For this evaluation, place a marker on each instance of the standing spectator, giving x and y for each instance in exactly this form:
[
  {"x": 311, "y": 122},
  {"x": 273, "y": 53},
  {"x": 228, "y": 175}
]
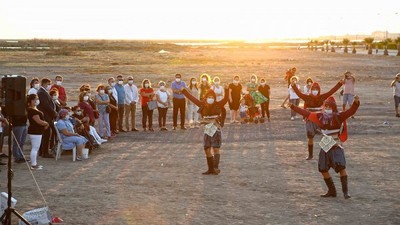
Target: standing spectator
[
  {"x": 307, "y": 87},
  {"x": 54, "y": 97},
  {"x": 48, "y": 108},
  {"x": 348, "y": 90},
  {"x": 102, "y": 101},
  {"x": 288, "y": 77},
  {"x": 265, "y": 90},
  {"x": 121, "y": 101},
  {"x": 252, "y": 88},
  {"x": 86, "y": 107},
  {"x": 37, "y": 126},
  {"x": 114, "y": 111},
  {"x": 131, "y": 98},
  {"x": 193, "y": 108},
  {"x": 396, "y": 92},
  {"x": 62, "y": 95},
  {"x": 34, "y": 86},
  {"x": 219, "y": 92},
  {"x": 178, "y": 101},
  {"x": 53, "y": 139},
  {"x": 293, "y": 97},
  {"x": 162, "y": 97},
  {"x": 204, "y": 85},
  {"x": 147, "y": 94},
  {"x": 20, "y": 131},
  {"x": 235, "y": 92}
]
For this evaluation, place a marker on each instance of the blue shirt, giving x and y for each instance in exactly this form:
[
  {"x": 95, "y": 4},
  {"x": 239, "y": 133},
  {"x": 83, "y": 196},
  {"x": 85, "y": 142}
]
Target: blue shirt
[
  {"x": 102, "y": 108},
  {"x": 121, "y": 94},
  {"x": 177, "y": 86}
]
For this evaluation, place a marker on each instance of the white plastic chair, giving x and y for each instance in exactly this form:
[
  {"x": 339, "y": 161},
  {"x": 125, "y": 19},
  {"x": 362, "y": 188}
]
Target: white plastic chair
[{"x": 59, "y": 145}]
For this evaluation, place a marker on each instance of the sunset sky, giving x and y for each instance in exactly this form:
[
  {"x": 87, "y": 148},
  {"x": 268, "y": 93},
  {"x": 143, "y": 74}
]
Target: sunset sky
[{"x": 186, "y": 19}]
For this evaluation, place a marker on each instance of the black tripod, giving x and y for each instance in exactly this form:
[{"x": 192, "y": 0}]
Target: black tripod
[{"x": 6, "y": 217}]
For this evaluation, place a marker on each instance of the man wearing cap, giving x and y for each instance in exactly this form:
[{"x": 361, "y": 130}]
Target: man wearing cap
[
  {"x": 313, "y": 103},
  {"x": 131, "y": 98},
  {"x": 332, "y": 154}
]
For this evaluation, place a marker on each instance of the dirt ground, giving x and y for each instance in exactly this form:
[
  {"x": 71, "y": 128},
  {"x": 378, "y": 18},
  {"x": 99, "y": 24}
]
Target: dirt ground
[{"x": 155, "y": 178}]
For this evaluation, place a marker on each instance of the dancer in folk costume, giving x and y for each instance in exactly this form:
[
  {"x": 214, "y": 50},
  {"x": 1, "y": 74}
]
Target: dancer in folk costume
[
  {"x": 313, "y": 103},
  {"x": 211, "y": 112},
  {"x": 334, "y": 129}
]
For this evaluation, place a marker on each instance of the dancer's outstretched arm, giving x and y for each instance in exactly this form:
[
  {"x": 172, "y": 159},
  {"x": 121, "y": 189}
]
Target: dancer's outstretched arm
[
  {"x": 191, "y": 97},
  {"x": 333, "y": 90}
]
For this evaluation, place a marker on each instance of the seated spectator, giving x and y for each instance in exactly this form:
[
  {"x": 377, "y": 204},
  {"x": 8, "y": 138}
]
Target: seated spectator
[
  {"x": 86, "y": 107},
  {"x": 62, "y": 96},
  {"x": 34, "y": 86},
  {"x": 114, "y": 110},
  {"x": 69, "y": 138},
  {"x": 84, "y": 120}
]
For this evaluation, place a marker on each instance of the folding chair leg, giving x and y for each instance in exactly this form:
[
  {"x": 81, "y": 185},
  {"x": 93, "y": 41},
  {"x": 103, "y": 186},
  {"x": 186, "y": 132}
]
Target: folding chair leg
[{"x": 74, "y": 154}]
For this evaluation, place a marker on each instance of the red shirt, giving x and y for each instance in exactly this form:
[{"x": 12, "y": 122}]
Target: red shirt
[
  {"x": 61, "y": 91},
  {"x": 145, "y": 99}
]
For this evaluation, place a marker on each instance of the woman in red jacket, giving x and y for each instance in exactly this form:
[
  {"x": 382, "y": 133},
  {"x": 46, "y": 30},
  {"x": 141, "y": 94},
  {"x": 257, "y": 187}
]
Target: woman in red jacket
[
  {"x": 211, "y": 113},
  {"x": 313, "y": 103},
  {"x": 330, "y": 122}
]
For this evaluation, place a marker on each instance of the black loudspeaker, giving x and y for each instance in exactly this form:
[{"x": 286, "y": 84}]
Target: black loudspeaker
[{"x": 13, "y": 95}]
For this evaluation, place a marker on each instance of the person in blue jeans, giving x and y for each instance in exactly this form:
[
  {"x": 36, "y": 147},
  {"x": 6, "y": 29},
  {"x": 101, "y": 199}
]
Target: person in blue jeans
[{"x": 20, "y": 130}]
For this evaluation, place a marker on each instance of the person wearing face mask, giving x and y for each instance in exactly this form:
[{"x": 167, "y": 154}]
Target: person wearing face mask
[
  {"x": 288, "y": 77},
  {"x": 48, "y": 107},
  {"x": 147, "y": 94},
  {"x": 307, "y": 87},
  {"x": 37, "y": 125},
  {"x": 102, "y": 101},
  {"x": 293, "y": 97},
  {"x": 34, "y": 86},
  {"x": 162, "y": 96},
  {"x": 219, "y": 92},
  {"x": 211, "y": 111},
  {"x": 178, "y": 101},
  {"x": 70, "y": 139},
  {"x": 83, "y": 127},
  {"x": 204, "y": 85},
  {"x": 86, "y": 107},
  {"x": 265, "y": 90},
  {"x": 330, "y": 121},
  {"x": 62, "y": 96},
  {"x": 53, "y": 140},
  {"x": 396, "y": 93},
  {"x": 119, "y": 87},
  {"x": 235, "y": 91},
  {"x": 131, "y": 98},
  {"x": 252, "y": 88},
  {"x": 348, "y": 89},
  {"x": 114, "y": 110},
  {"x": 313, "y": 103},
  {"x": 193, "y": 116}
]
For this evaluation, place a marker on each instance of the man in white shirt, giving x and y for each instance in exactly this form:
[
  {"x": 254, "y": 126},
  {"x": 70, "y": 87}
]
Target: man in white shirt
[{"x": 131, "y": 98}]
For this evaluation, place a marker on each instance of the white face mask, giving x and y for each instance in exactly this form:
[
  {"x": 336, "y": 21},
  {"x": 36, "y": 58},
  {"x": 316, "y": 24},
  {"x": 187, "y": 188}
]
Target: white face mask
[
  {"x": 309, "y": 83},
  {"x": 37, "y": 102},
  {"x": 55, "y": 97},
  {"x": 262, "y": 84},
  {"x": 146, "y": 85},
  {"x": 110, "y": 91},
  {"x": 210, "y": 101},
  {"x": 216, "y": 82},
  {"x": 102, "y": 91},
  {"x": 235, "y": 81},
  {"x": 48, "y": 87},
  {"x": 79, "y": 113},
  {"x": 70, "y": 113},
  {"x": 36, "y": 86},
  {"x": 112, "y": 84},
  {"x": 295, "y": 81},
  {"x": 162, "y": 87},
  {"x": 85, "y": 98},
  {"x": 253, "y": 80},
  {"x": 120, "y": 82},
  {"x": 130, "y": 81},
  {"x": 67, "y": 117},
  {"x": 204, "y": 79},
  {"x": 193, "y": 82},
  {"x": 329, "y": 111},
  {"x": 178, "y": 80},
  {"x": 59, "y": 83},
  {"x": 315, "y": 92}
]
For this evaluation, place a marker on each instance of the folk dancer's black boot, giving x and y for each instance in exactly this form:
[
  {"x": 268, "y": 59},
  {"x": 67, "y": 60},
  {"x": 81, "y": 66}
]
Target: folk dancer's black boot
[
  {"x": 216, "y": 163},
  {"x": 210, "y": 163},
  {"x": 345, "y": 190},
  {"x": 310, "y": 152},
  {"x": 331, "y": 188}
]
